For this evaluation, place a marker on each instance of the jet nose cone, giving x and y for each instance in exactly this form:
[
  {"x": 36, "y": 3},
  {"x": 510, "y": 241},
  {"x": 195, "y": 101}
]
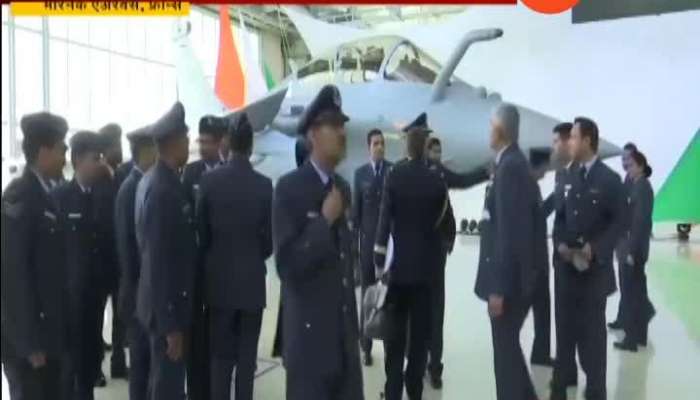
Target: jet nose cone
[{"x": 607, "y": 149}]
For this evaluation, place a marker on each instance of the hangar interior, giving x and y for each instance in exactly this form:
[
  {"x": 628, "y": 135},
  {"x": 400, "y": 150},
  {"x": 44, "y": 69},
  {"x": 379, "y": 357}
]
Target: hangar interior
[{"x": 633, "y": 71}]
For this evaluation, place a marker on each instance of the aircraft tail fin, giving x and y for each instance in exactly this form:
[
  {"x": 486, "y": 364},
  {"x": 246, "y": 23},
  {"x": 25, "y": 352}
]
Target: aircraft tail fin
[
  {"x": 263, "y": 111},
  {"x": 443, "y": 78}
]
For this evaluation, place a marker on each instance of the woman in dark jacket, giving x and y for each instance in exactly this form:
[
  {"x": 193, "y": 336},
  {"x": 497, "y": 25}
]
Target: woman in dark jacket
[{"x": 641, "y": 204}]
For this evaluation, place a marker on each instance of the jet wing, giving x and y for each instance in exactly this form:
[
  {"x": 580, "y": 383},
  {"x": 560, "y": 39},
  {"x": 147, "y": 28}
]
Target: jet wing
[{"x": 262, "y": 112}]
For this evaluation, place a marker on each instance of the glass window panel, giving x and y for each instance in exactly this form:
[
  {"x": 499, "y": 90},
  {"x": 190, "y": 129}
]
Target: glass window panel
[
  {"x": 79, "y": 30},
  {"x": 136, "y": 36},
  {"x": 154, "y": 39},
  {"x": 5, "y": 74},
  {"x": 118, "y": 37},
  {"x": 99, "y": 88},
  {"x": 78, "y": 87},
  {"x": 169, "y": 93},
  {"x": 58, "y": 77},
  {"x": 29, "y": 22},
  {"x": 29, "y": 76},
  {"x": 99, "y": 32},
  {"x": 119, "y": 86},
  {"x": 58, "y": 27},
  {"x": 5, "y": 12}
]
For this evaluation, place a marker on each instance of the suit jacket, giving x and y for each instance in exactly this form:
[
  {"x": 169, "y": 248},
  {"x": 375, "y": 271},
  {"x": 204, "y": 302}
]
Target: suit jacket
[
  {"x": 367, "y": 196},
  {"x": 83, "y": 239},
  {"x": 516, "y": 214},
  {"x": 168, "y": 253},
  {"x": 33, "y": 296},
  {"x": 122, "y": 172},
  {"x": 235, "y": 232},
  {"x": 105, "y": 194},
  {"x": 191, "y": 176},
  {"x": 127, "y": 247},
  {"x": 592, "y": 214},
  {"x": 454, "y": 180},
  {"x": 414, "y": 204},
  {"x": 641, "y": 205},
  {"x": 314, "y": 262},
  {"x": 481, "y": 286}
]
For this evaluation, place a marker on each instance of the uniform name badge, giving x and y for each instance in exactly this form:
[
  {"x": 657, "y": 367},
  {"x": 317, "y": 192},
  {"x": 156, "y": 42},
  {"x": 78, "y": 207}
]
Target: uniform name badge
[{"x": 567, "y": 187}]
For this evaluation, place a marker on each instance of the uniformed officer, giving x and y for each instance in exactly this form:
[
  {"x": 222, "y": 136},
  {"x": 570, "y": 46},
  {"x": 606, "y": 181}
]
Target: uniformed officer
[
  {"x": 414, "y": 202},
  {"x": 591, "y": 211},
  {"x": 518, "y": 241},
  {"x": 166, "y": 238},
  {"x": 313, "y": 251},
  {"x": 451, "y": 180},
  {"x": 106, "y": 189},
  {"x": 77, "y": 213},
  {"x": 211, "y": 130},
  {"x": 235, "y": 233},
  {"x": 541, "y": 299},
  {"x": 143, "y": 154},
  {"x": 33, "y": 266},
  {"x": 640, "y": 205},
  {"x": 566, "y": 343},
  {"x": 367, "y": 194},
  {"x": 621, "y": 249}
]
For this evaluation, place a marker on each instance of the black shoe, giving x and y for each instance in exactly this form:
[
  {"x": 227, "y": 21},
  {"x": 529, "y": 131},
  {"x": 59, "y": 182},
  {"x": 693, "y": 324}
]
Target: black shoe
[
  {"x": 543, "y": 362},
  {"x": 615, "y": 325},
  {"x": 436, "y": 382},
  {"x": 101, "y": 380},
  {"x": 626, "y": 345},
  {"x": 557, "y": 394},
  {"x": 572, "y": 382},
  {"x": 367, "y": 360}
]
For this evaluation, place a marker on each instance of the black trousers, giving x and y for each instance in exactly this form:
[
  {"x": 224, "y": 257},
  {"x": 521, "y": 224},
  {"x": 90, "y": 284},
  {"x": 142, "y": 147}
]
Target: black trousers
[
  {"x": 234, "y": 345},
  {"x": 623, "y": 278},
  {"x": 584, "y": 325},
  {"x": 541, "y": 311},
  {"x": 198, "y": 355},
  {"x": 167, "y": 379},
  {"x": 118, "y": 359},
  {"x": 368, "y": 279},
  {"x": 638, "y": 307},
  {"x": 565, "y": 363},
  {"x": 139, "y": 361},
  {"x": 409, "y": 308},
  {"x": 437, "y": 320},
  {"x": 512, "y": 377},
  {"x": 85, "y": 349},
  {"x": 27, "y": 383}
]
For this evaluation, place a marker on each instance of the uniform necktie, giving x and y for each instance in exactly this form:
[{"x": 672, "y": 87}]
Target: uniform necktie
[
  {"x": 582, "y": 173},
  {"x": 377, "y": 168}
]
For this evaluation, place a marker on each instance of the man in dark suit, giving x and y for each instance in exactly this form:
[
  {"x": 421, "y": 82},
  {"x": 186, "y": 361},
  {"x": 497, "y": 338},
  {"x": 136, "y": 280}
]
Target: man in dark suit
[
  {"x": 457, "y": 181},
  {"x": 517, "y": 244},
  {"x": 591, "y": 211},
  {"x": 414, "y": 203},
  {"x": 367, "y": 194},
  {"x": 313, "y": 248},
  {"x": 33, "y": 266},
  {"x": 166, "y": 237},
  {"x": 566, "y": 343},
  {"x": 105, "y": 193},
  {"x": 541, "y": 299},
  {"x": 622, "y": 247},
  {"x": 143, "y": 154},
  {"x": 76, "y": 205},
  {"x": 211, "y": 130},
  {"x": 235, "y": 233}
]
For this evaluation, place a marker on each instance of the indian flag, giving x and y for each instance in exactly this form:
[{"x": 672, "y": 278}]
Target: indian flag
[{"x": 239, "y": 76}]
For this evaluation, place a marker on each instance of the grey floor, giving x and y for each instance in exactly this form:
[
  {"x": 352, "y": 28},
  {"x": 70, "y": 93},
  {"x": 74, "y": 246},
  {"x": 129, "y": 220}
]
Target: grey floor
[{"x": 667, "y": 369}]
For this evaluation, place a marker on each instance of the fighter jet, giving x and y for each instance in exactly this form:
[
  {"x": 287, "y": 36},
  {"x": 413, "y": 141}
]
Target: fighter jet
[{"x": 385, "y": 82}]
